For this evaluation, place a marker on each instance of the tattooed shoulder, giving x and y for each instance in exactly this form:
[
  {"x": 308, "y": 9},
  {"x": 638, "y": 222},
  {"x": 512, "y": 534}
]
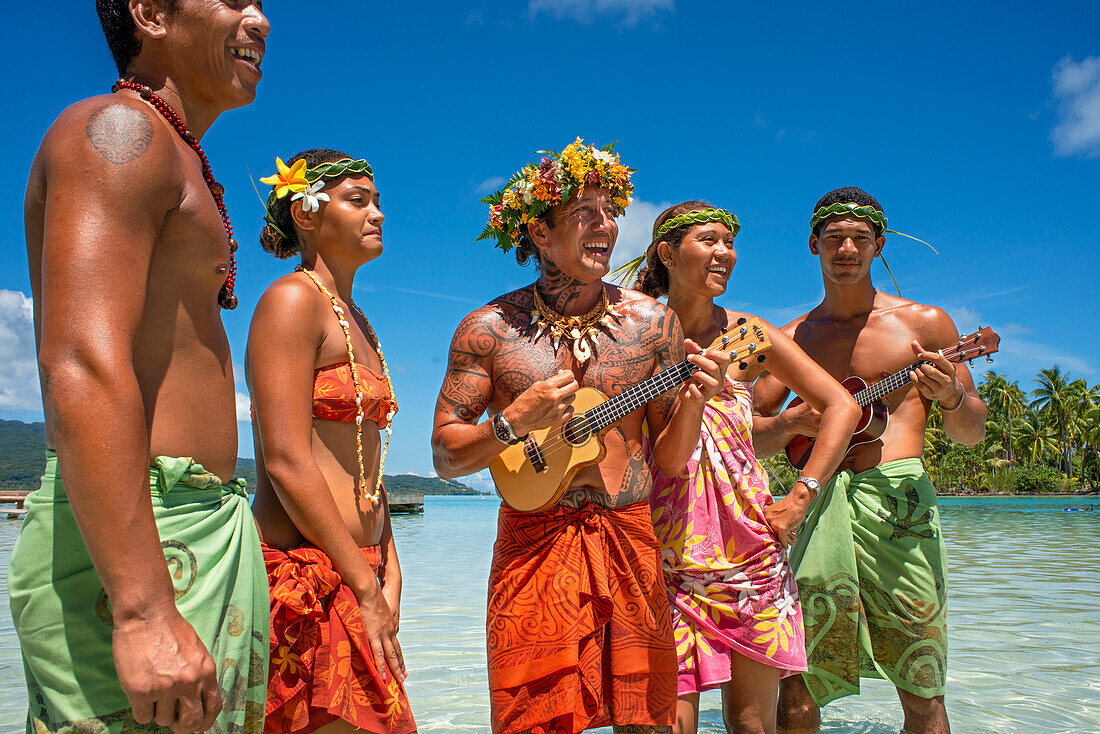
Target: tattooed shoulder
[{"x": 120, "y": 132}]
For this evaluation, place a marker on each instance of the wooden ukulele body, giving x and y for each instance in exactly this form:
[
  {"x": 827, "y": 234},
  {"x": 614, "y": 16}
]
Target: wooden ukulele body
[
  {"x": 871, "y": 426},
  {"x": 533, "y": 475}
]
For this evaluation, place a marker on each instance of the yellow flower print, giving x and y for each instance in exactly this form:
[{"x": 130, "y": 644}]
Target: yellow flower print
[{"x": 287, "y": 661}]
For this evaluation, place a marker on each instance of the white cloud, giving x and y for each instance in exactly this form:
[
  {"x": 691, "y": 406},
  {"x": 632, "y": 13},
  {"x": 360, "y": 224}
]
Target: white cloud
[
  {"x": 19, "y": 386},
  {"x": 482, "y": 482},
  {"x": 585, "y": 11},
  {"x": 1077, "y": 92},
  {"x": 491, "y": 184},
  {"x": 635, "y": 230},
  {"x": 244, "y": 404}
]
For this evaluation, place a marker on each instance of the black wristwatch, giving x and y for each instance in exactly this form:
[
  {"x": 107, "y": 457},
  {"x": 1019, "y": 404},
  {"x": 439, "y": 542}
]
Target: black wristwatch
[{"x": 503, "y": 430}]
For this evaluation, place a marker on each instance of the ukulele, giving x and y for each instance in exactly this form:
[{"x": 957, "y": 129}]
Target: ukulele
[
  {"x": 872, "y": 423},
  {"x": 534, "y": 474}
]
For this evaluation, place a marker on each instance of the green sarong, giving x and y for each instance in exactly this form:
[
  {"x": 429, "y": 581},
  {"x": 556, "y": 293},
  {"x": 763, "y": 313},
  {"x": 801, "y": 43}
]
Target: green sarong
[
  {"x": 872, "y": 575},
  {"x": 63, "y": 617}
]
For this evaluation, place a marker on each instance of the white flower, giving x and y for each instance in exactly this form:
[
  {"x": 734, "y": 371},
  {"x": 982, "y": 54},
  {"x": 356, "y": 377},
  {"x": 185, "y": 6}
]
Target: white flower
[
  {"x": 603, "y": 156},
  {"x": 528, "y": 192},
  {"x": 311, "y": 200}
]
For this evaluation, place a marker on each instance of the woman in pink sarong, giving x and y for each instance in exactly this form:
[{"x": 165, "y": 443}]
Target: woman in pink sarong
[{"x": 735, "y": 610}]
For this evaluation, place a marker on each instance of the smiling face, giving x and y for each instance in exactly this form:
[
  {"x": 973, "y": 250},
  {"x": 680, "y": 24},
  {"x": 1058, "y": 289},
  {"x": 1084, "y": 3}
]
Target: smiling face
[
  {"x": 846, "y": 247},
  {"x": 582, "y": 237},
  {"x": 703, "y": 261},
  {"x": 217, "y": 47},
  {"x": 349, "y": 226}
]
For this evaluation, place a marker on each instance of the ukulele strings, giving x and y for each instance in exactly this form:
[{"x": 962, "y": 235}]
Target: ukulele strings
[{"x": 590, "y": 419}]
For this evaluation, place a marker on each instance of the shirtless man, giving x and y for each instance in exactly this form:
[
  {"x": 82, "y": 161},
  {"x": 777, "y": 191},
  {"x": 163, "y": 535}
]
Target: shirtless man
[
  {"x": 579, "y": 633},
  {"x": 870, "y": 560},
  {"x": 129, "y": 259}
]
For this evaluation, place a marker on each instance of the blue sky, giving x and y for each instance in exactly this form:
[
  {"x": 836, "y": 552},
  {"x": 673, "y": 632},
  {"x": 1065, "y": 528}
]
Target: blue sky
[{"x": 977, "y": 126}]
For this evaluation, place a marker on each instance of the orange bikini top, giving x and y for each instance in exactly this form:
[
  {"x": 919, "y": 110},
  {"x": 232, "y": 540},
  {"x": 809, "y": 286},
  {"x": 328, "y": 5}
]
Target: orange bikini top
[{"x": 334, "y": 394}]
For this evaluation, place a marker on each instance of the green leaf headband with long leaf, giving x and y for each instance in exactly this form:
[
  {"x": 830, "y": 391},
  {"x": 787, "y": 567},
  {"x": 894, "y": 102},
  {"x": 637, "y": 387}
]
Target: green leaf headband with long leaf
[
  {"x": 868, "y": 214},
  {"x": 625, "y": 273}
]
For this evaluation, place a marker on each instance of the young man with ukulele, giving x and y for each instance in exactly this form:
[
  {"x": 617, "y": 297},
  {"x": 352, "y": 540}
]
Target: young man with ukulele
[
  {"x": 579, "y": 633},
  {"x": 869, "y": 557}
]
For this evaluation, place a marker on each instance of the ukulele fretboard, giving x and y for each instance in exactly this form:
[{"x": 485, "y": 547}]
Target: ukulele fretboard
[{"x": 608, "y": 412}]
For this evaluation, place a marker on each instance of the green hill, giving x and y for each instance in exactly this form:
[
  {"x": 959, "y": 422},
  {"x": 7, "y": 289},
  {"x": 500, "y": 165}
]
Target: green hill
[{"x": 23, "y": 447}]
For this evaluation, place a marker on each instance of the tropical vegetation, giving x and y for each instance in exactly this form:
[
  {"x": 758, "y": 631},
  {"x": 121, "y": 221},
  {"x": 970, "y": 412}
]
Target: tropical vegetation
[{"x": 1042, "y": 439}]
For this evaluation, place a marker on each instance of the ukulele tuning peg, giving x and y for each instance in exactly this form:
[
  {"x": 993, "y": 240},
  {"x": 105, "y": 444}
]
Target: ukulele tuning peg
[
  {"x": 752, "y": 348},
  {"x": 970, "y": 362},
  {"x": 742, "y": 321},
  {"x": 744, "y": 330},
  {"x": 742, "y": 366},
  {"x": 988, "y": 359},
  {"x": 761, "y": 357}
]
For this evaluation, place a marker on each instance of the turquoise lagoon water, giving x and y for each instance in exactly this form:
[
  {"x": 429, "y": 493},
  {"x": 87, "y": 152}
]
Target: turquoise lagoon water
[{"x": 1024, "y": 621}]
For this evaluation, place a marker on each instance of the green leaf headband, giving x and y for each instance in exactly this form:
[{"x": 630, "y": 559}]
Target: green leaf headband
[
  {"x": 303, "y": 182},
  {"x": 699, "y": 216},
  {"x": 866, "y": 213},
  {"x": 626, "y": 272}
]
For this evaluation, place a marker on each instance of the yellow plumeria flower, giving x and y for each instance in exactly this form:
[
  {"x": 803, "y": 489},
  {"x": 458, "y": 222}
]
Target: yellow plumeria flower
[{"x": 287, "y": 179}]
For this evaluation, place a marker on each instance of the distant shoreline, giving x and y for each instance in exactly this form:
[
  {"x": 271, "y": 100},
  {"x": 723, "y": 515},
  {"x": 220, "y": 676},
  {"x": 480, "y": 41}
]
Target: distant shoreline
[{"x": 1089, "y": 493}]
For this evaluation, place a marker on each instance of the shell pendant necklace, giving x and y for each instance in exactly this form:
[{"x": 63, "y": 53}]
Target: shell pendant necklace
[{"x": 581, "y": 330}]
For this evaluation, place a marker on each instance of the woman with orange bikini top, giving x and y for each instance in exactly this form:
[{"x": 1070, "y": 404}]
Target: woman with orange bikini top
[{"x": 322, "y": 406}]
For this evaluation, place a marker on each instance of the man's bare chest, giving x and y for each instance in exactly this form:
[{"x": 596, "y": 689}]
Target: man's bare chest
[
  {"x": 871, "y": 353},
  {"x": 619, "y": 360}
]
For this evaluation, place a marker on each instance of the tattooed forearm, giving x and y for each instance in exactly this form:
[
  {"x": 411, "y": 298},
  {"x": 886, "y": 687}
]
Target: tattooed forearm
[{"x": 120, "y": 133}]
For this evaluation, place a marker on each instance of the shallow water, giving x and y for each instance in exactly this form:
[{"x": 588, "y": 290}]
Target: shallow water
[{"x": 1024, "y": 631}]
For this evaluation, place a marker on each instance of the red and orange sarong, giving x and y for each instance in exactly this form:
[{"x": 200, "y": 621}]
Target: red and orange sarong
[
  {"x": 322, "y": 668},
  {"x": 578, "y": 631}
]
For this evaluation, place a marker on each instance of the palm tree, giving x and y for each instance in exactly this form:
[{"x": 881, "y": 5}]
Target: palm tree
[
  {"x": 1005, "y": 401},
  {"x": 1035, "y": 438},
  {"x": 1055, "y": 396}
]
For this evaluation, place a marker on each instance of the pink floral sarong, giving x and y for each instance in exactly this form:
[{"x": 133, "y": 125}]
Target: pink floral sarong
[{"x": 730, "y": 586}]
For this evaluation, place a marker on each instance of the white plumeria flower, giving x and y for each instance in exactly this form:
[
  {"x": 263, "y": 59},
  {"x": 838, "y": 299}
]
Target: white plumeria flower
[
  {"x": 603, "y": 156},
  {"x": 311, "y": 200}
]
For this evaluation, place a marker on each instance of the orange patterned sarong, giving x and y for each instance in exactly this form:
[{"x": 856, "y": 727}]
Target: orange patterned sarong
[
  {"x": 578, "y": 631},
  {"x": 322, "y": 668}
]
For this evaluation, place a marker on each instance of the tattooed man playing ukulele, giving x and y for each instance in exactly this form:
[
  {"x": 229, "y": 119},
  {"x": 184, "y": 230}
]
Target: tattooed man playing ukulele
[
  {"x": 578, "y": 628},
  {"x": 869, "y": 558}
]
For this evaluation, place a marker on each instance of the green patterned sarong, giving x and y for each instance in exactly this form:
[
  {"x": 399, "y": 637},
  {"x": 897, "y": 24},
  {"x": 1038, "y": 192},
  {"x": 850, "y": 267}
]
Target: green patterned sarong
[
  {"x": 872, "y": 575},
  {"x": 63, "y": 617}
]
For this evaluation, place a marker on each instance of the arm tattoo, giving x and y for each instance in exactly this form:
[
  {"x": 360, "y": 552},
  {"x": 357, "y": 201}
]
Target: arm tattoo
[
  {"x": 467, "y": 385},
  {"x": 670, "y": 351},
  {"x": 120, "y": 133}
]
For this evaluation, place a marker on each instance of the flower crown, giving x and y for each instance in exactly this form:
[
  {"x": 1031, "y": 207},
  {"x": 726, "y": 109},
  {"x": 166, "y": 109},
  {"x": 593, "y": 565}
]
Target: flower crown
[
  {"x": 306, "y": 183},
  {"x": 538, "y": 186}
]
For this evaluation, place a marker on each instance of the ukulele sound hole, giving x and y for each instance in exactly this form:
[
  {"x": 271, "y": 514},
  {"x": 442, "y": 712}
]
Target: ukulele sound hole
[{"x": 576, "y": 431}]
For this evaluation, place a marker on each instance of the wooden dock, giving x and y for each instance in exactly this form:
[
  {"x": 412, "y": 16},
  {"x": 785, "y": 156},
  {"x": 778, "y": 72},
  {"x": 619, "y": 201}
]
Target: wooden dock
[
  {"x": 14, "y": 498},
  {"x": 411, "y": 503},
  {"x": 408, "y": 503}
]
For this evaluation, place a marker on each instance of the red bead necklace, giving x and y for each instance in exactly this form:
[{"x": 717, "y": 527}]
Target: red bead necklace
[{"x": 226, "y": 297}]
